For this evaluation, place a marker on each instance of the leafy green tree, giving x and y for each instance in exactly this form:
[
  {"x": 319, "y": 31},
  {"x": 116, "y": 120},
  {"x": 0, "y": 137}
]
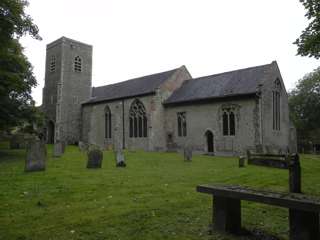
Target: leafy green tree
[
  {"x": 309, "y": 41},
  {"x": 16, "y": 72},
  {"x": 304, "y": 103}
]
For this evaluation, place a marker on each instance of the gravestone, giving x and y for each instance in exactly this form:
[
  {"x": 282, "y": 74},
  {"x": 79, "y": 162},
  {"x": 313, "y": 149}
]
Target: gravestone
[
  {"x": 241, "y": 161},
  {"x": 57, "y": 149},
  {"x": 64, "y": 144},
  {"x": 95, "y": 157},
  {"x": 36, "y": 156},
  {"x": 17, "y": 141},
  {"x": 83, "y": 146},
  {"x": 93, "y": 147},
  {"x": 120, "y": 162},
  {"x": 187, "y": 154}
]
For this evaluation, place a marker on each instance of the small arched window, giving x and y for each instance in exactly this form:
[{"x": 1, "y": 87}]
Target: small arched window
[
  {"x": 138, "y": 120},
  {"x": 52, "y": 63},
  {"x": 107, "y": 119},
  {"x": 77, "y": 64},
  {"x": 228, "y": 123}
]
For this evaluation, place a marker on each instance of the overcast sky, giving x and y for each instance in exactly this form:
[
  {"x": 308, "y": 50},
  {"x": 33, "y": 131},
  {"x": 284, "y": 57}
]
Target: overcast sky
[{"x": 141, "y": 37}]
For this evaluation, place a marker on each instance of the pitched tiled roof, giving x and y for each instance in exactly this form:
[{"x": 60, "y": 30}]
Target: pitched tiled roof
[
  {"x": 130, "y": 88},
  {"x": 234, "y": 83}
]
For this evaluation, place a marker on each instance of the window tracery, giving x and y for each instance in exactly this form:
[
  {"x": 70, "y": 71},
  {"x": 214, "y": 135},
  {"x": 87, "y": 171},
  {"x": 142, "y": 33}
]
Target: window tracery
[{"x": 138, "y": 126}]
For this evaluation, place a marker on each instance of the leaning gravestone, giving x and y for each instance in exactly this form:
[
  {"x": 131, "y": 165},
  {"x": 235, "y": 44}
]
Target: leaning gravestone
[
  {"x": 36, "y": 156},
  {"x": 95, "y": 157},
  {"x": 187, "y": 154},
  {"x": 57, "y": 149},
  {"x": 120, "y": 162}
]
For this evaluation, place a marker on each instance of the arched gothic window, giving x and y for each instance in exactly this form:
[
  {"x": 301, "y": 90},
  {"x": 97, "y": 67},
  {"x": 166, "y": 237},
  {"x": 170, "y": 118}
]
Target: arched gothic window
[
  {"x": 182, "y": 124},
  {"x": 77, "y": 64},
  {"x": 53, "y": 63},
  {"x": 228, "y": 123},
  {"x": 138, "y": 120},
  {"x": 107, "y": 118}
]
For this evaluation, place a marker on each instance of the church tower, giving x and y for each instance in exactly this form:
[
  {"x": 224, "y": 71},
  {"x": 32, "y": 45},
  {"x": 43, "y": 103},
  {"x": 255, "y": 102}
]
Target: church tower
[{"x": 67, "y": 84}]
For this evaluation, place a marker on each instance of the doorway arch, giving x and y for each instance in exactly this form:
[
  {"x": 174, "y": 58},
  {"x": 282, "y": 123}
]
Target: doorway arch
[
  {"x": 50, "y": 135},
  {"x": 210, "y": 141}
]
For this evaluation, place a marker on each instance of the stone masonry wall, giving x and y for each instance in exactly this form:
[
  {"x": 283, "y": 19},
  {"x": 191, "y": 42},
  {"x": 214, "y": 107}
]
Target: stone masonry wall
[
  {"x": 274, "y": 140},
  {"x": 93, "y": 126},
  {"x": 93, "y": 118},
  {"x": 203, "y": 117}
]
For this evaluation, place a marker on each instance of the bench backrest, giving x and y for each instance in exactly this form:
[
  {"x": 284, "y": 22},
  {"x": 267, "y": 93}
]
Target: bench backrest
[
  {"x": 287, "y": 200},
  {"x": 282, "y": 161}
]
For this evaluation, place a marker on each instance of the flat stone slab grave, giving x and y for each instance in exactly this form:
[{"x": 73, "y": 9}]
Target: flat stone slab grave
[{"x": 303, "y": 210}]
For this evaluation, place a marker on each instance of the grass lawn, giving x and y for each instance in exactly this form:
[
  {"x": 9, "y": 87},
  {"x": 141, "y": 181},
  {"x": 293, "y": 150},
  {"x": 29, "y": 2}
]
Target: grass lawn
[{"x": 154, "y": 197}]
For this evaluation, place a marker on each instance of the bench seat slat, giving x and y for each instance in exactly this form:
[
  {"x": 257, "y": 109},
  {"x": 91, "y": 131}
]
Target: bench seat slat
[{"x": 287, "y": 200}]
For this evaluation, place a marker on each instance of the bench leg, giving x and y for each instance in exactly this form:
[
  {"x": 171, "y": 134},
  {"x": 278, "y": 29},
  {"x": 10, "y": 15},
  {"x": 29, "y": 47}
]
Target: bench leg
[
  {"x": 226, "y": 214},
  {"x": 303, "y": 225}
]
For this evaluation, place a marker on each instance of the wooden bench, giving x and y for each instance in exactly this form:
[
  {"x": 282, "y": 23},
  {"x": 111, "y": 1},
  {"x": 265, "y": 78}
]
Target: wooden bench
[
  {"x": 282, "y": 161},
  {"x": 303, "y": 210},
  {"x": 269, "y": 160}
]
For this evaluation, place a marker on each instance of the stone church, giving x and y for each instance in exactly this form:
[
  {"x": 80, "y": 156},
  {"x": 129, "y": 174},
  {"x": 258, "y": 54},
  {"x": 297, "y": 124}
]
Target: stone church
[{"x": 222, "y": 114}]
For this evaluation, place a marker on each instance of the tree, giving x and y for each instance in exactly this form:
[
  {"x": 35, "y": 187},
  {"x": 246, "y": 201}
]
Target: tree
[
  {"x": 304, "y": 104},
  {"x": 16, "y": 72},
  {"x": 309, "y": 41}
]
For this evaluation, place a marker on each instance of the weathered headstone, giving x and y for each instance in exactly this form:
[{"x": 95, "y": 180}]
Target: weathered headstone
[
  {"x": 64, "y": 144},
  {"x": 95, "y": 157},
  {"x": 241, "y": 161},
  {"x": 187, "y": 154},
  {"x": 120, "y": 162},
  {"x": 83, "y": 146},
  {"x": 36, "y": 156},
  {"x": 57, "y": 149},
  {"x": 93, "y": 147}
]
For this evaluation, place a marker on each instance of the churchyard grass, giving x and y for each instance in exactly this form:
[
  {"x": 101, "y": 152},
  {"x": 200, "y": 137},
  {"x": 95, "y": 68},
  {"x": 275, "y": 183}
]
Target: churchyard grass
[{"x": 154, "y": 197}]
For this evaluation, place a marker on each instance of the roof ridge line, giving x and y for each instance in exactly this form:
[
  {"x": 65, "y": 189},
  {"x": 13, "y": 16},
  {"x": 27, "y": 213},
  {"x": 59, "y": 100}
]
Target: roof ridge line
[
  {"x": 240, "y": 69},
  {"x": 112, "y": 84}
]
